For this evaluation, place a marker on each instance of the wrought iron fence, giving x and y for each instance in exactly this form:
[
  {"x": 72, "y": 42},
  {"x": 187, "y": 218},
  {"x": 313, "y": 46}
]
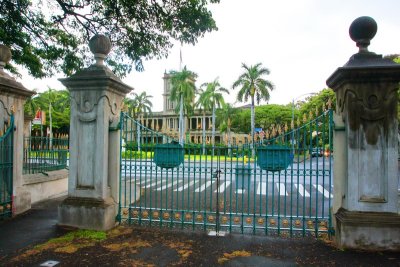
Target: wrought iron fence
[
  {"x": 285, "y": 189},
  {"x": 6, "y": 169},
  {"x": 43, "y": 154}
]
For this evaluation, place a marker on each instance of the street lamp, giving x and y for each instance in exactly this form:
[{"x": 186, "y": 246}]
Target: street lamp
[{"x": 294, "y": 99}]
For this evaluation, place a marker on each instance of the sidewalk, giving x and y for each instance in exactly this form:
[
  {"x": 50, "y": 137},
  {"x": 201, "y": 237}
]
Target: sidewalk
[
  {"x": 33, "y": 227},
  {"x": 132, "y": 246}
]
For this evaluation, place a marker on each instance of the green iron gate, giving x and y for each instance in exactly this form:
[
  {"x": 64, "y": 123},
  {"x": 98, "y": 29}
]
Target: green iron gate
[
  {"x": 285, "y": 189},
  {"x": 6, "y": 168}
]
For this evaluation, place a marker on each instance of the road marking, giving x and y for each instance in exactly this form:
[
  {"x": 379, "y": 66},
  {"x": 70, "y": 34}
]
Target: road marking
[
  {"x": 222, "y": 187},
  {"x": 168, "y": 185},
  {"x": 203, "y": 187},
  {"x": 152, "y": 184},
  {"x": 240, "y": 191},
  {"x": 262, "y": 188},
  {"x": 322, "y": 190},
  {"x": 302, "y": 191},
  {"x": 184, "y": 187},
  {"x": 282, "y": 189}
]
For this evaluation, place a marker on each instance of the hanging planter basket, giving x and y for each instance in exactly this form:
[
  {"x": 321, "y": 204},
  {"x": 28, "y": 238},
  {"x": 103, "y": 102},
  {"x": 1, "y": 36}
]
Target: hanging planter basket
[
  {"x": 274, "y": 157},
  {"x": 168, "y": 155}
]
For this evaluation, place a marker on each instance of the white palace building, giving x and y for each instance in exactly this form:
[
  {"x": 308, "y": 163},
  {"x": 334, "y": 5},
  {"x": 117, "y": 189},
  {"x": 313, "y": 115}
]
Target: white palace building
[{"x": 167, "y": 122}]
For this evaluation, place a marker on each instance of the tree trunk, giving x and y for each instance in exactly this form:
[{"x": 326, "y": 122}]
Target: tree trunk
[
  {"x": 181, "y": 121},
  {"x": 252, "y": 126},
  {"x": 229, "y": 142},
  {"x": 213, "y": 130},
  {"x": 51, "y": 127},
  {"x": 204, "y": 132}
]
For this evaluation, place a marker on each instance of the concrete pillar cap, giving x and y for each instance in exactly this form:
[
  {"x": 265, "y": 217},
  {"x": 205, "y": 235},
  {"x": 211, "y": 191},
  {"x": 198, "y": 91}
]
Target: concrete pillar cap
[
  {"x": 362, "y": 30},
  {"x": 100, "y": 46},
  {"x": 5, "y": 57}
]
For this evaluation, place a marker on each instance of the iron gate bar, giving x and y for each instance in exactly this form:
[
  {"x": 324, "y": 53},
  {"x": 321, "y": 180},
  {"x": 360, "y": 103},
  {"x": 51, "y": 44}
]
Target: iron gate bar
[
  {"x": 197, "y": 208},
  {"x": 6, "y": 169}
]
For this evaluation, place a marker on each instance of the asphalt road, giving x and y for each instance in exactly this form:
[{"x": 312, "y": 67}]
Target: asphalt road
[{"x": 304, "y": 191}]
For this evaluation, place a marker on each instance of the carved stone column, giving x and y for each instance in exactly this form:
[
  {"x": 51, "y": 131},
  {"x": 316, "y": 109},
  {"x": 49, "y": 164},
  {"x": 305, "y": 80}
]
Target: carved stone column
[
  {"x": 366, "y": 201},
  {"x": 12, "y": 98},
  {"x": 96, "y": 99}
]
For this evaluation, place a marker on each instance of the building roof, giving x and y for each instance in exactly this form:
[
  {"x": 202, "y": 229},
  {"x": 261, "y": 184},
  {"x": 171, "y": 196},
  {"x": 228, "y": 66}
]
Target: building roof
[{"x": 245, "y": 106}]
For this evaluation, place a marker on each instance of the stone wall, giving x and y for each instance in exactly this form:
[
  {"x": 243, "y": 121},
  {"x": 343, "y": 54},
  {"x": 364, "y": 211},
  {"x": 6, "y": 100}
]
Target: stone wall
[{"x": 42, "y": 186}]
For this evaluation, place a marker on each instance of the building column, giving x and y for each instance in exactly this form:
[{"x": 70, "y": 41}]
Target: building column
[
  {"x": 366, "y": 200},
  {"x": 12, "y": 98},
  {"x": 96, "y": 99}
]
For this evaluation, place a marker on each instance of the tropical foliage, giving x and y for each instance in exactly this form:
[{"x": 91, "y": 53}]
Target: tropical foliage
[
  {"x": 183, "y": 90},
  {"x": 274, "y": 114},
  {"x": 225, "y": 117},
  {"x": 212, "y": 98},
  {"x": 139, "y": 105},
  {"x": 252, "y": 85},
  {"x": 49, "y": 36},
  {"x": 266, "y": 116},
  {"x": 56, "y": 100},
  {"x": 203, "y": 105},
  {"x": 317, "y": 102}
]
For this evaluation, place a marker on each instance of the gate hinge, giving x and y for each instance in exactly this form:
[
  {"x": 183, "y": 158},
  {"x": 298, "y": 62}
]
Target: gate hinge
[
  {"x": 339, "y": 128},
  {"x": 331, "y": 231},
  {"x": 115, "y": 127}
]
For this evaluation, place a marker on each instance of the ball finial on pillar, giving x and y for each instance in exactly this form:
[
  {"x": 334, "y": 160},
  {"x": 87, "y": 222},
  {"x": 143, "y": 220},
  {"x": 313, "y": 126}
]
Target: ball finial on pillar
[
  {"x": 100, "y": 45},
  {"x": 362, "y": 30},
  {"x": 5, "y": 56}
]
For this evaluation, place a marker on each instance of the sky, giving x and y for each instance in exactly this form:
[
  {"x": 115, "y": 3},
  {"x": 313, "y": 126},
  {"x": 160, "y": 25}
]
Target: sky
[{"x": 301, "y": 42}]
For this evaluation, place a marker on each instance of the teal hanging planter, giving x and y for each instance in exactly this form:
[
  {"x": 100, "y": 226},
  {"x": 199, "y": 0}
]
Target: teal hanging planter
[
  {"x": 274, "y": 157},
  {"x": 168, "y": 155}
]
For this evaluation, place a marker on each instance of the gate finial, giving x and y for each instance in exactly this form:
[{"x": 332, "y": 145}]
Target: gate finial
[
  {"x": 100, "y": 46},
  {"x": 361, "y": 31},
  {"x": 5, "y": 57}
]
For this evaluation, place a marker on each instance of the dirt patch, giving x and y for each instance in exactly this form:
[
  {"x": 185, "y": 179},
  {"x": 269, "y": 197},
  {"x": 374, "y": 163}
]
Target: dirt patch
[
  {"x": 131, "y": 246},
  {"x": 234, "y": 254}
]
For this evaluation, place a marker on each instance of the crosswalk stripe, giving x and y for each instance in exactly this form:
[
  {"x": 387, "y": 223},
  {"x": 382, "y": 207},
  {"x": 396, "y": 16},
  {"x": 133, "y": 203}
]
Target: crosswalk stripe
[
  {"x": 262, "y": 188},
  {"x": 240, "y": 191},
  {"x": 152, "y": 184},
  {"x": 223, "y": 186},
  {"x": 322, "y": 190},
  {"x": 302, "y": 191},
  {"x": 185, "y": 186},
  {"x": 282, "y": 189},
  {"x": 168, "y": 185},
  {"x": 203, "y": 186}
]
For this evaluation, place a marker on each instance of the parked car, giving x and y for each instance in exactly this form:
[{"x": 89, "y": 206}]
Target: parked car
[{"x": 317, "y": 152}]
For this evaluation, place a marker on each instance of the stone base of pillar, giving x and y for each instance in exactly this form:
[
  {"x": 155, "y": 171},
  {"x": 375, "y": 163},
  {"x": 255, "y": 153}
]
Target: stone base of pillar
[
  {"x": 87, "y": 213},
  {"x": 367, "y": 230},
  {"x": 21, "y": 201}
]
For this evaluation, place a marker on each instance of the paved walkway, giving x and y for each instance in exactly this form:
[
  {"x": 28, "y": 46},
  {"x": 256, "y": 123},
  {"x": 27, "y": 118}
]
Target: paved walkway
[
  {"x": 166, "y": 247},
  {"x": 33, "y": 227}
]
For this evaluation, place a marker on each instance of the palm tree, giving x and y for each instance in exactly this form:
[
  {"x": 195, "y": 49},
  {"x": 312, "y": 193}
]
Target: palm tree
[
  {"x": 183, "y": 90},
  {"x": 130, "y": 105},
  {"x": 31, "y": 105},
  {"x": 139, "y": 104},
  {"x": 253, "y": 85},
  {"x": 225, "y": 116},
  {"x": 213, "y": 96},
  {"x": 143, "y": 103},
  {"x": 204, "y": 105}
]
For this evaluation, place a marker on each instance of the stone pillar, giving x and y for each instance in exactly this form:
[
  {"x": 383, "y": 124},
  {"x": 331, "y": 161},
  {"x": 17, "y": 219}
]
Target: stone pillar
[
  {"x": 366, "y": 201},
  {"x": 96, "y": 99},
  {"x": 12, "y": 98}
]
